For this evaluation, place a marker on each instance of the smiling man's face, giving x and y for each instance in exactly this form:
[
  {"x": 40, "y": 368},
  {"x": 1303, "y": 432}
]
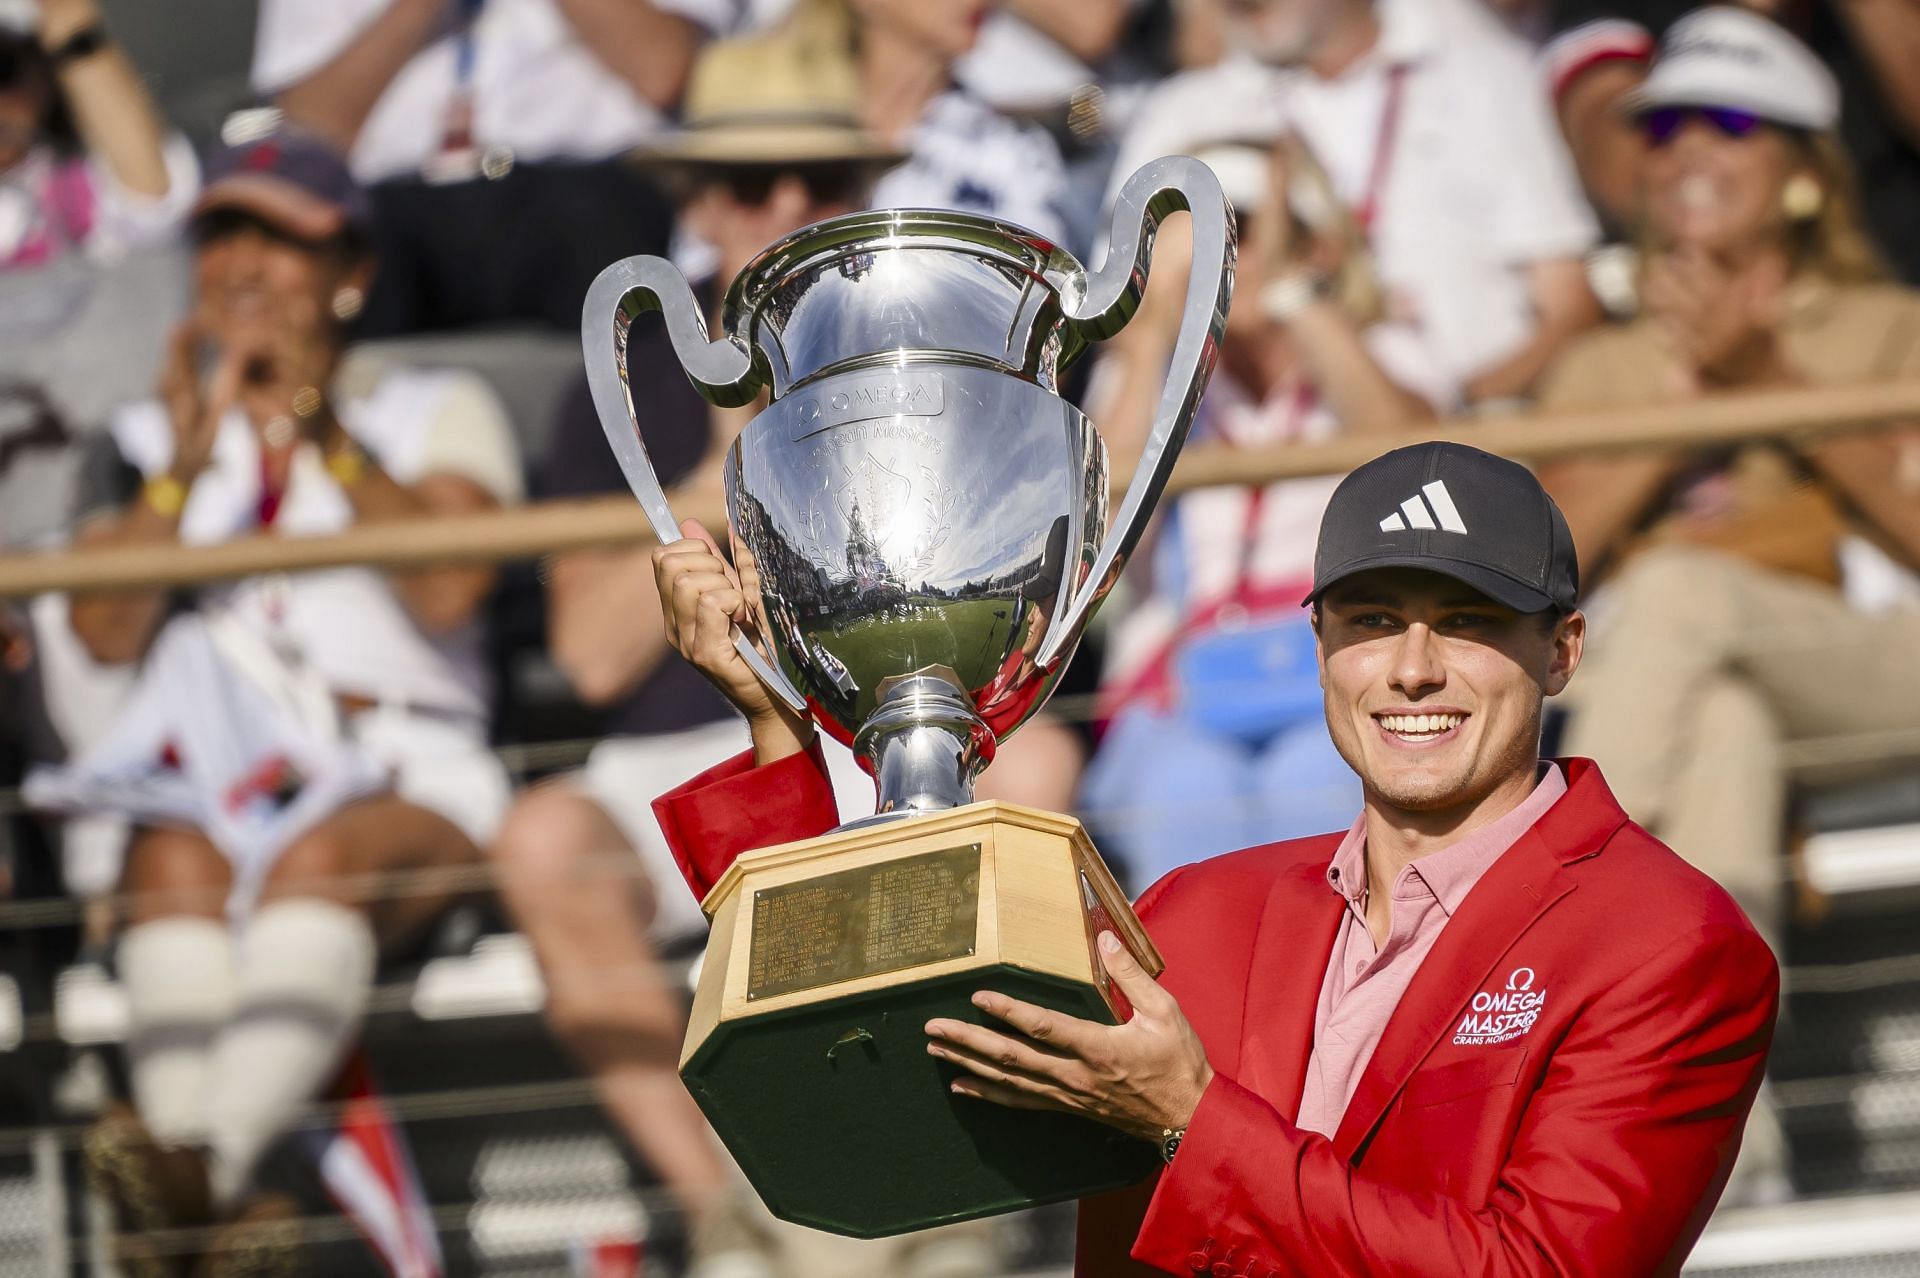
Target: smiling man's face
[{"x": 1433, "y": 690}]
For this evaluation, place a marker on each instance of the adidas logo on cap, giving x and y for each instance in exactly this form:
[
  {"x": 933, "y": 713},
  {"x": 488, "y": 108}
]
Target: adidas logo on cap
[{"x": 1422, "y": 514}]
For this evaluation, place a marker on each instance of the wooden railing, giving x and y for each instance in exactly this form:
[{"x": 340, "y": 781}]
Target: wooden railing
[{"x": 555, "y": 527}]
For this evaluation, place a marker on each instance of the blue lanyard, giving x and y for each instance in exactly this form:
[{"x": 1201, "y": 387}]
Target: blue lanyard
[{"x": 469, "y": 13}]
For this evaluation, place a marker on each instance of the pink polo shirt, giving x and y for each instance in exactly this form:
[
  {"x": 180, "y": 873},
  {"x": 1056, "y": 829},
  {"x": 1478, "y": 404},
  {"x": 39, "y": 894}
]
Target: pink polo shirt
[{"x": 1363, "y": 985}]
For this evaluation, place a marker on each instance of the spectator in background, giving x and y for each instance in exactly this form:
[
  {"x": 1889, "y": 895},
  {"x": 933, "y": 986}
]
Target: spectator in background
[
  {"x": 468, "y": 116},
  {"x": 1598, "y": 53},
  {"x": 960, "y": 153},
  {"x": 1757, "y": 274},
  {"x": 1431, "y": 122},
  {"x": 295, "y": 738},
  {"x": 87, "y": 168},
  {"x": 1051, "y": 63},
  {"x": 1217, "y": 737},
  {"x": 19, "y": 711},
  {"x": 771, "y": 143},
  {"x": 1725, "y": 630},
  {"x": 31, "y": 855}
]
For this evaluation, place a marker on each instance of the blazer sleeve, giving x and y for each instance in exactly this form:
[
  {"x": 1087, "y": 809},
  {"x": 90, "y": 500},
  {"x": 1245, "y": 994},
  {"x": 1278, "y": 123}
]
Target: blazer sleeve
[
  {"x": 734, "y": 807},
  {"x": 1621, "y": 1155},
  {"x": 1106, "y": 1223}
]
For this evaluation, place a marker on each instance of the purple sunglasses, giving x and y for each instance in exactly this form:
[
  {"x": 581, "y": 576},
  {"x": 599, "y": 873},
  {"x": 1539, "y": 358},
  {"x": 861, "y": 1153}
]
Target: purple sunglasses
[{"x": 1663, "y": 124}]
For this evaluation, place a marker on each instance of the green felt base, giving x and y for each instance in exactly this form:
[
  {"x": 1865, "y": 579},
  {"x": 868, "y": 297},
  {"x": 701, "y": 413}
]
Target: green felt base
[{"x": 861, "y": 1137}]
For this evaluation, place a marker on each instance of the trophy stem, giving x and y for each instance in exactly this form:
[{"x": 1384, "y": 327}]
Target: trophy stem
[{"x": 925, "y": 745}]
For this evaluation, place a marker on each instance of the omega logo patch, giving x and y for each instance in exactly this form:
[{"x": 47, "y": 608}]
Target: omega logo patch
[{"x": 1503, "y": 1015}]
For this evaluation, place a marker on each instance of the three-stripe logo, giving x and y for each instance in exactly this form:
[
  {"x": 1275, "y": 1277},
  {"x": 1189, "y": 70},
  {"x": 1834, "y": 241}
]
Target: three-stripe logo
[{"x": 1418, "y": 513}]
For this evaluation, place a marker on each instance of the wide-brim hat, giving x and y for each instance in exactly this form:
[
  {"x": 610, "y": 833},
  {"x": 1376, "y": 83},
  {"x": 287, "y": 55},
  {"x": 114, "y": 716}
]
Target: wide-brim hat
[
  {"x": 770, "y": 140},
  {"x": 772, "y": 99}
]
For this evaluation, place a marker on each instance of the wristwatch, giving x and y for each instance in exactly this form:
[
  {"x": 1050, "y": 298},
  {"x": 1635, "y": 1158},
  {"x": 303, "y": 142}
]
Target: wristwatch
[
  {"x": 84, "y": 43},
  {"x": 1170, "y": 1139}
]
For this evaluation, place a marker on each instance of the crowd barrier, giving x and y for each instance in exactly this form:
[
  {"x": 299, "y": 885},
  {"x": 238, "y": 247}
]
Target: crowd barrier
[{"x": 557, "y": 527}]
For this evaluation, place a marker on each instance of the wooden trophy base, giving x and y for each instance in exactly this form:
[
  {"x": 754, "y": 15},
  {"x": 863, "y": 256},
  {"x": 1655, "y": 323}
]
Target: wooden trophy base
[{"x": 807, "y": 1048}]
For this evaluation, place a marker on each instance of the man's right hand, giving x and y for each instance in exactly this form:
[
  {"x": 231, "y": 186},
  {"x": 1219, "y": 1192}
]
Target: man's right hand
[{"x": 702, "y": 599}]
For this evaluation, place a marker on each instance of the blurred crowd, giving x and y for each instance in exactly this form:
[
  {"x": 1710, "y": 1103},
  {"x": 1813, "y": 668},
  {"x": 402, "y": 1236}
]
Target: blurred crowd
[{"x": 1448, "y": 209}]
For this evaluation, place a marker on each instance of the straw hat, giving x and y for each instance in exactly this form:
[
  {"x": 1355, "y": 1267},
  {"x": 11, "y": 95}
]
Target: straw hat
[{"x": 774, "y": 98}]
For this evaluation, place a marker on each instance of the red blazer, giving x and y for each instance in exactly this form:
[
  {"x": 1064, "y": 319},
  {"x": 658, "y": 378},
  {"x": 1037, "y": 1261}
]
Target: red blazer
[{"x": 1560, "y": 1091}]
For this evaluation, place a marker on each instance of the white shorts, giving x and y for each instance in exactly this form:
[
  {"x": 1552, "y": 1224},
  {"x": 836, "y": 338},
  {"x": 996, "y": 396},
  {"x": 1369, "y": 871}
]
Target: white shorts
[
  {"x": 624, "y": 775},
  {"x": 228, "y": 708},
  {"x": 441, "y": 764}
]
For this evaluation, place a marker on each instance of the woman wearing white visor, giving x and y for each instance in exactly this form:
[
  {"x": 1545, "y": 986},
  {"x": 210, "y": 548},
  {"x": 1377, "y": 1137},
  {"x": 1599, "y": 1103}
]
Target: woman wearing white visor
[
  {"x": 1752, "y": 596},
  {"x": 1217, "y": 738}
]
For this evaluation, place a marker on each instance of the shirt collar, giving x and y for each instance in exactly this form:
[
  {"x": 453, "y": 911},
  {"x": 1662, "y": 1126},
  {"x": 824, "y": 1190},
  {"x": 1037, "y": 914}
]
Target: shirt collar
[
  {"x": 1451, "y": 872},
  {"x": 1347, "y": 875},
  {"x": 1409, "y": 31}
]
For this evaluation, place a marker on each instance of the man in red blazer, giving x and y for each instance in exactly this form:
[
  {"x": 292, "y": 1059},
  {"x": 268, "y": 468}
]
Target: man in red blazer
[{"x": 1494, "y": 1028}]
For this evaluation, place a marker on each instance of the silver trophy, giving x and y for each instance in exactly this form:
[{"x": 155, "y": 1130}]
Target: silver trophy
[
  {"x": 921, "y": 515},
  {"x": 920, "y": 522}
]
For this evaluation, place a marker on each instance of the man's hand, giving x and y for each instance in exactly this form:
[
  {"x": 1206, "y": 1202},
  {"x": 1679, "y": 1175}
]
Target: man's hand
[
  {"x": 703, "y": 599},
  {"x": 1143, "y": 1077}
]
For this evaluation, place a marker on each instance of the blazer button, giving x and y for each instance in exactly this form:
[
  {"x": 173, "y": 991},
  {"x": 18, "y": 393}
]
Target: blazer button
[{"x": 1199, "y": 1261}]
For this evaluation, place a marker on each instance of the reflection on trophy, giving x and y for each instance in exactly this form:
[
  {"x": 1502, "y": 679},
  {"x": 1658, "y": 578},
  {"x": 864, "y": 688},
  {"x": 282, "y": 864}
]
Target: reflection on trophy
[{"x": 923, "y": 522}]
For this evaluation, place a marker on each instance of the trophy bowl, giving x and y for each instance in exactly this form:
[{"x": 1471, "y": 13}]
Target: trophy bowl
[
  {"x": 918, "y": 505},
  {"x": 920, "y": 522}
]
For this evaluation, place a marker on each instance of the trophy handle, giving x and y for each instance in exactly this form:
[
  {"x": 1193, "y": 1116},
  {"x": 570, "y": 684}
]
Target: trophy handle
[
  {"x": 722, "y": 371},
  {"x": 1106, "y": 300}
]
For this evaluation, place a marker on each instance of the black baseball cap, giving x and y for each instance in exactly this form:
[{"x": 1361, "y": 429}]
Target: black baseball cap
[
  {"x": 1454, "y": 510},
  {"x": 293, "y": 180}
]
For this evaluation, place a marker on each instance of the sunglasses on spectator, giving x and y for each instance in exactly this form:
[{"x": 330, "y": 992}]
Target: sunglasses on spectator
[
  {"x": 826, "y": 183},
  {"x": 1663, "y": 124}
]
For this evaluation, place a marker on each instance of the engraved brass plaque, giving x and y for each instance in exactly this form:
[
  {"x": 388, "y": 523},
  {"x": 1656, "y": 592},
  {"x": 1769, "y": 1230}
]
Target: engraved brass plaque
[{"x": 880, "y": 918}]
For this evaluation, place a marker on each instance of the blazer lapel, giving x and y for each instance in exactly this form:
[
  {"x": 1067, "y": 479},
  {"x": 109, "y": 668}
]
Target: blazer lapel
[
  {"x": 1496, "y": 912},
  {"x": 1516, "y": 890},
  {"x": 1283, "y": 986}
]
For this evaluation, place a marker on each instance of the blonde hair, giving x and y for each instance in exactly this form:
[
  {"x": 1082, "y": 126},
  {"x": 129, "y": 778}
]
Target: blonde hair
[
  {"x": 1834, "y": 243},
  {"x": 1354, "y": 282}
]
